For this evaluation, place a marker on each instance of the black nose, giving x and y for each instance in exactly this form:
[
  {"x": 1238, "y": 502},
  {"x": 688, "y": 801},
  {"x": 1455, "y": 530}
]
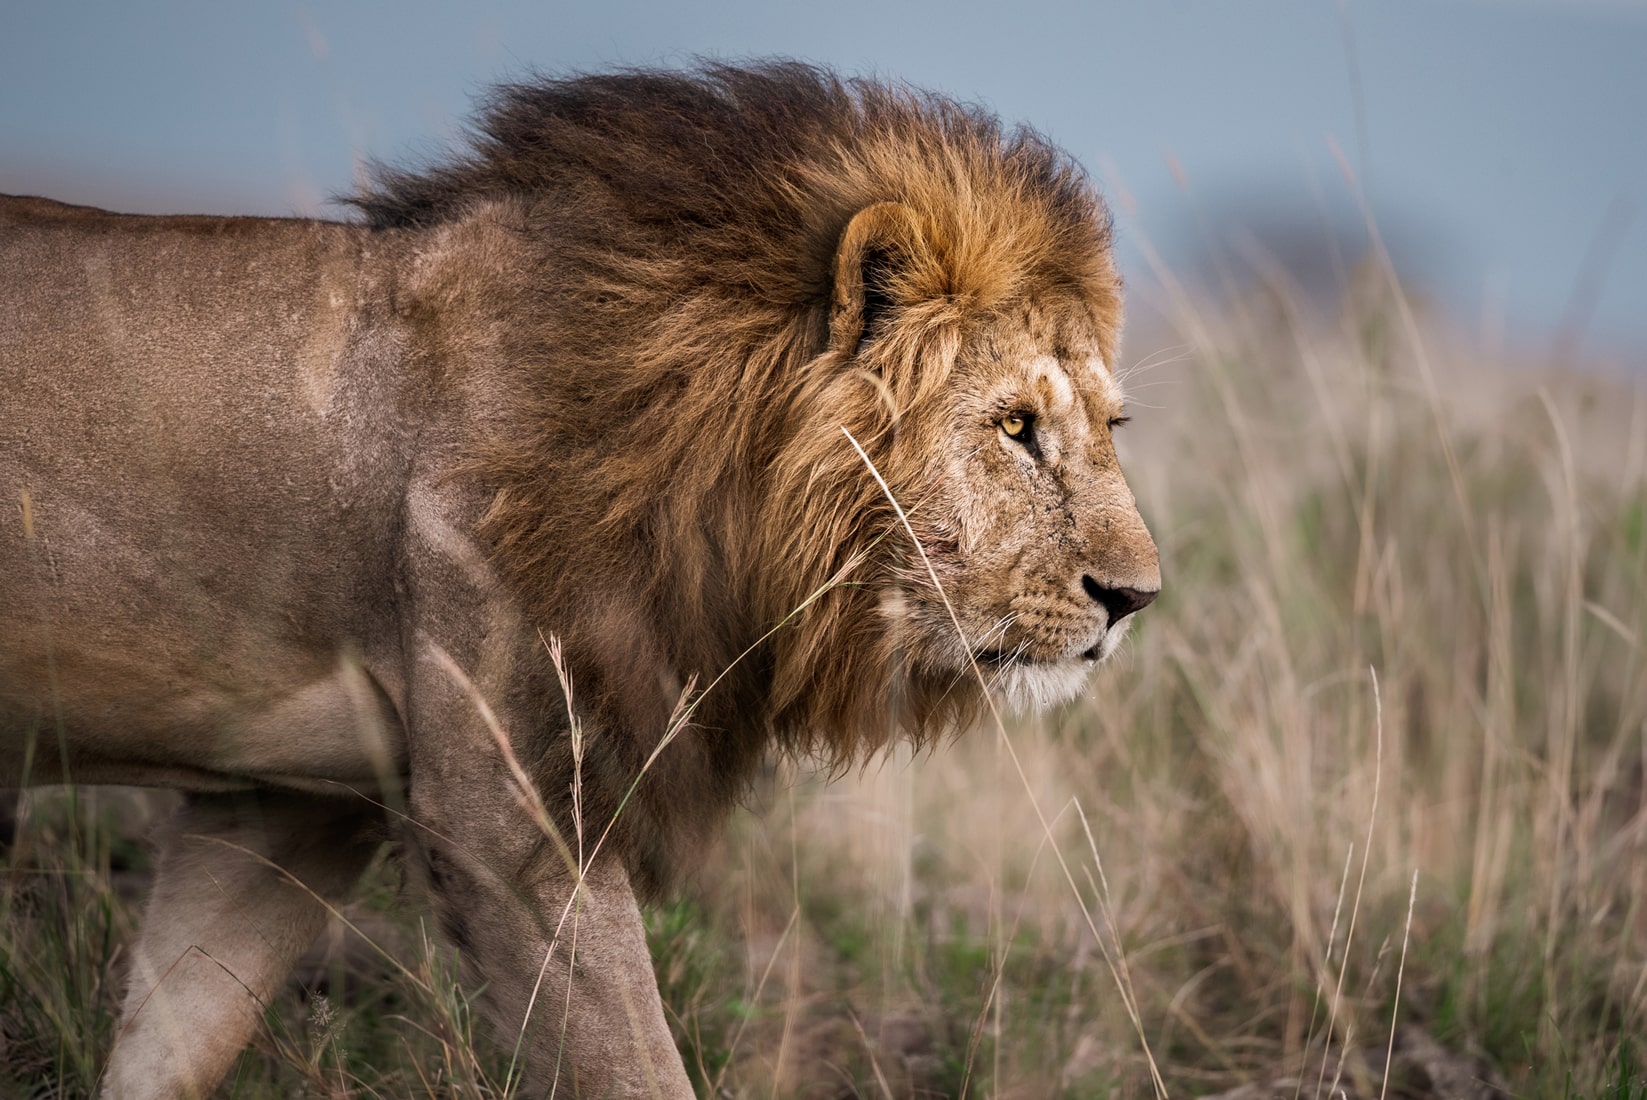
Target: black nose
[{"x": 1119, "y": 602}]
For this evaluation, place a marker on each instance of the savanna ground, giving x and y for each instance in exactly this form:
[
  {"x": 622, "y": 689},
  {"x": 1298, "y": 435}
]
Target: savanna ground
[{"x": 1368, "y": 776}]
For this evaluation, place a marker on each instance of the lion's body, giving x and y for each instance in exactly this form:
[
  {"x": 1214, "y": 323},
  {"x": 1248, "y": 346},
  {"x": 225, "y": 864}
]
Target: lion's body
[
  {"x": 298, "y": 507},
  {"x": 175, "y": 605}
]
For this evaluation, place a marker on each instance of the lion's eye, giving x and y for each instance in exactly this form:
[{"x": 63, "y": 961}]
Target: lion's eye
[
  {"x": 1117, "y": 421},
  {"x": 1016, "y": 426}
]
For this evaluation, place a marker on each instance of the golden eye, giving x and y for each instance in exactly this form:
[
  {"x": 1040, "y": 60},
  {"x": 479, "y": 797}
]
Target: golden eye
[{"x": 1014, "y": 426}]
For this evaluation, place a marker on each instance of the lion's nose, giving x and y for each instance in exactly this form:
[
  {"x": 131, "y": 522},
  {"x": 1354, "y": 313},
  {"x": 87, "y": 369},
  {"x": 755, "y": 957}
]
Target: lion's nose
[{"x": 1119, "y": 602}]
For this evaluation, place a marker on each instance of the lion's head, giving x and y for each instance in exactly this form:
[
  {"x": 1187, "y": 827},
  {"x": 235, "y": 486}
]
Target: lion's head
[
  {"x": 974, "y": 357},
  {"x": 755, "y": 295}
]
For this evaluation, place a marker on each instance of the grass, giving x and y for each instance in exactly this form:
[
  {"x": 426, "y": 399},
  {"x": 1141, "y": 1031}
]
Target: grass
[
  {"x": 1626, "y": 1083},
  {"x": 1402, "y": 634}
]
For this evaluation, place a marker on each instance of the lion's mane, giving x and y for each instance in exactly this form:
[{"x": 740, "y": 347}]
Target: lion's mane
[{"x": 676, "y": 482}]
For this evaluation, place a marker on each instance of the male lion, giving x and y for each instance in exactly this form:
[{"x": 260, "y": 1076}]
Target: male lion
[{"x": 298, "y": 510}]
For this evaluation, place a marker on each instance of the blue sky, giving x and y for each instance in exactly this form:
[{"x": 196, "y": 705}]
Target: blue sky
[{"x": 1500, "y": 145}]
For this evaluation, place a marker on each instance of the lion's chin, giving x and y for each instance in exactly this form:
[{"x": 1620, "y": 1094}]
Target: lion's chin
[
  {"x": 1033, "y": 687},
  {"x": 1027, "y": 685}
]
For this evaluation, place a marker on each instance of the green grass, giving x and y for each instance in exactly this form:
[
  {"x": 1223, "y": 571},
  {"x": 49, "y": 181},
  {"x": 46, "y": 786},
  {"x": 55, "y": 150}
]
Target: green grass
[
  {"x": 1336, "y": 505},
  {"x": 61, "y": 927},
  {"x": 1626, "y": 1082}
]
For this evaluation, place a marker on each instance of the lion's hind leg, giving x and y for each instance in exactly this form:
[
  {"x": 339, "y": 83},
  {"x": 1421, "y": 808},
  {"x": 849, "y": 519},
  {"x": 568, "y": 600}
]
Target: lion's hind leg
[{"x": 237, "y": 900}]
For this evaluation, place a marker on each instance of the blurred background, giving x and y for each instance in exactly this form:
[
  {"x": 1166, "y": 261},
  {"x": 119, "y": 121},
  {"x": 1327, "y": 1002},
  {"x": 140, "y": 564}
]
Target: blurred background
[{"x": 1497, "y": 146}]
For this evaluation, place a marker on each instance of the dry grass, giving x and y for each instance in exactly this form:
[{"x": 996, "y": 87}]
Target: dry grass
[
  {"x": 1402, "y": 633},
  {"x": 1344, "y": 516}
]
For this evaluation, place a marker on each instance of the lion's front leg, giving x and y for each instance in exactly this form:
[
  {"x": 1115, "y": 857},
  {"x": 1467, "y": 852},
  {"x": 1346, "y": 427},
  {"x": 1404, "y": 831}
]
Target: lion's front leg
[
  {"x": 241, "y": 892},
  {"x": 559, "y": 956},
  {"x": 567, "y": 980}
]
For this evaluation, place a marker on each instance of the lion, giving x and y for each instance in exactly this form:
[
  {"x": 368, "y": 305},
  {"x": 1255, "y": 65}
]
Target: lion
[{"x": 685, "y": 418}]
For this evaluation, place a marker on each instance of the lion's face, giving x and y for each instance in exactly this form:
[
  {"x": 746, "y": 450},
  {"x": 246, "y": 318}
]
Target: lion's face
[
  {"x": 1029, "y": 524},
  {"x": 989, "y": 354}
]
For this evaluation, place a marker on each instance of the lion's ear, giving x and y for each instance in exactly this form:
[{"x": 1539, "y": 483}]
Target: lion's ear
[{"x": 881, "y": 245}]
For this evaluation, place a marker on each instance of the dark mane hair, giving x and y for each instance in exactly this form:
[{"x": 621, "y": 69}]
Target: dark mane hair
[
  {"x": 704, "y": 148},
  {"x": 673, "y": 482}
]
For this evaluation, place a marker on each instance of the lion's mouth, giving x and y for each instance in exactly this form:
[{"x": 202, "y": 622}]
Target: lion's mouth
[
  {"x": 1029, "y": 683},
  {"x": 1017, "y": 658},
  {"x": 1002, "y": 658}
]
